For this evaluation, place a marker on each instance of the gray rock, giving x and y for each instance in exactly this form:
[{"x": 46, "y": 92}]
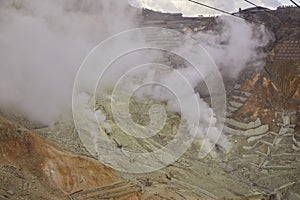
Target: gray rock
[
  {"x": 232, "y": 109},
  {"x": 241, "y": 125},
  {"x": 235, "y": 104},
  {"x": 10, "y": 192},
  {"x": 237, "y": 86},
  {"x": 243, "y": 99},
  {"x": 251, "y": 132}
]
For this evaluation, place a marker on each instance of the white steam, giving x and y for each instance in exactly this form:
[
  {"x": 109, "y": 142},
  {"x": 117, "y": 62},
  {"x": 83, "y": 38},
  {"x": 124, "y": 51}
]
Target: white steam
[
  {"x": 43, "y": 43},
  {"x": 235, "y": 44}
]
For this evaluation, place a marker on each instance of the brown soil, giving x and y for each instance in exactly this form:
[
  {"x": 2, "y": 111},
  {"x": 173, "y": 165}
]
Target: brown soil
[{"x": 59, "y": 173}]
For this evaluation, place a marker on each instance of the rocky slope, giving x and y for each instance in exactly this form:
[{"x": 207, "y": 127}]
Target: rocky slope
[{"x": 262, "y": 123}]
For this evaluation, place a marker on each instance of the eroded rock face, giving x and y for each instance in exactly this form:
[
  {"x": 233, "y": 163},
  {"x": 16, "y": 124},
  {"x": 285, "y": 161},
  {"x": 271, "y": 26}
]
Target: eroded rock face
[
  {"x": 45, "y": 171},
  {"x": 277, "y": 89},
  {"x": 270, "y": 157}
]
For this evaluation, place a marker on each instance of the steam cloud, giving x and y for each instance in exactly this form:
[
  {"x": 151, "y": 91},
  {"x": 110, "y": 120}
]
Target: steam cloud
[
  {"x": 235, "y": 44},
  {"x": 42, "y": 45}
]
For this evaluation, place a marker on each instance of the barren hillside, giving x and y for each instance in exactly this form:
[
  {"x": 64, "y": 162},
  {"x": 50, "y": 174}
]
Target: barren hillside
[{"x": 262, "y": 124}]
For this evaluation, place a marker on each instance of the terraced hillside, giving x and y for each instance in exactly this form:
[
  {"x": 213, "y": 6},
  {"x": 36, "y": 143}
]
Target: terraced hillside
[{"x": 262, "y": 124}]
